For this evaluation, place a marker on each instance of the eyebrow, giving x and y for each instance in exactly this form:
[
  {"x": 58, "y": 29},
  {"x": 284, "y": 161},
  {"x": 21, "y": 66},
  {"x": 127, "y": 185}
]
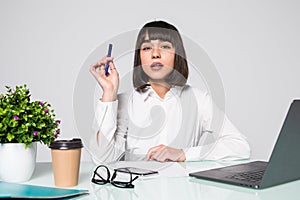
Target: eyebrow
[
  {"x": 149, "y": 41},
  {"x": 146, "y": 41}
]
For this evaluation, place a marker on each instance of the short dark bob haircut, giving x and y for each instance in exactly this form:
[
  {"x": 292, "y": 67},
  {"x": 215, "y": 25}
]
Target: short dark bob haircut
[{"x": 160, "y": 30}]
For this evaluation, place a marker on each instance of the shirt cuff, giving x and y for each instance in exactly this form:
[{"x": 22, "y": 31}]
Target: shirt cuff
[
  {"x": 197, "y": 153},
  {"x": 106, "y": 115}
]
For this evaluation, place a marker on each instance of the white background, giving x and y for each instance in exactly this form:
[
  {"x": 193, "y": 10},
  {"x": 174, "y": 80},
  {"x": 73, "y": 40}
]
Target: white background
[{"x": 254, "y": 44}]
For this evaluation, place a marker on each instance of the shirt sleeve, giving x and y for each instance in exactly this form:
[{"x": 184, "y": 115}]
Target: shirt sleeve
[
  {"x": 110, "y": 128},
  {"x": 220, "y": 139}
]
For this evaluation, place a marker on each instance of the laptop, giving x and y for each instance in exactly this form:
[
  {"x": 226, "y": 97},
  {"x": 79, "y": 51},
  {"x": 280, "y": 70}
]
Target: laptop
[{"x": 283, "y": 165}]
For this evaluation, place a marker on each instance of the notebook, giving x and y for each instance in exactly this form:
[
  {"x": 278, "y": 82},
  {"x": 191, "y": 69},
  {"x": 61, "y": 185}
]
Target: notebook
[
  {"x": 24, "y": 191},
  {"x": 283, "y": 165}
]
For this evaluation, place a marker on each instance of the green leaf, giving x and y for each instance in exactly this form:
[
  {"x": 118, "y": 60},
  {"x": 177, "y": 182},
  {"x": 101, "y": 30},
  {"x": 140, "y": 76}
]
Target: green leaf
[
  {"x": 32, "y": 117},
  {"x": 10, "y": 137}
]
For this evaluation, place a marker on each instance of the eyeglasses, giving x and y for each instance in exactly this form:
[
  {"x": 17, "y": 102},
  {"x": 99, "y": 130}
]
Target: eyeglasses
[{"x": 100, "y": 180}]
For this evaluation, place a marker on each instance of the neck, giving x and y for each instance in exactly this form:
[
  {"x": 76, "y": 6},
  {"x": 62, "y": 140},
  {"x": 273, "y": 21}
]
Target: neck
[{"x": 161, "y": 88}]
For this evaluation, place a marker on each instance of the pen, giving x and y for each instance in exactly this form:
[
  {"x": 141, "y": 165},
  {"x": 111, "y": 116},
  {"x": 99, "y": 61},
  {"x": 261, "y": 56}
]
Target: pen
[{"x": 108, "y": 55}]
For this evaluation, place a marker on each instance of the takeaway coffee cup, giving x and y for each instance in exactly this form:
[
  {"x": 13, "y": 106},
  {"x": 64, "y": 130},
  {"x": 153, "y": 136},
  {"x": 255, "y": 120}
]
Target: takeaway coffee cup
[{"x": 66, "y": 161}]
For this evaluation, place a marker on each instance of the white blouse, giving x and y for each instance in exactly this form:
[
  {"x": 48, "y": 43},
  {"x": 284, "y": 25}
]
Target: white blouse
[{"x": 185, "y": 119}]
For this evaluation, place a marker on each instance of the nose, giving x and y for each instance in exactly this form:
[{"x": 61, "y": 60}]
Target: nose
[{"x": 155, "y": 53}]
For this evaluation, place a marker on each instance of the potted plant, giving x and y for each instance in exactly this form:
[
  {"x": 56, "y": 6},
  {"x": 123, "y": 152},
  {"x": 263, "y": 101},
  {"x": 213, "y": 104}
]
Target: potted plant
[{"x": 23, "y": 123}]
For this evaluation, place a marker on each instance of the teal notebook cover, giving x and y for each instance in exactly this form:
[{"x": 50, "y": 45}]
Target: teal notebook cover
[{"x": 15, "y": 190}]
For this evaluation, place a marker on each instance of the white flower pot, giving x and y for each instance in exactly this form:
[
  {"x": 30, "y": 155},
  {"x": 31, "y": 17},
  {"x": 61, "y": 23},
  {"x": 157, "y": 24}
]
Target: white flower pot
[{"x": 17, "y": 164}]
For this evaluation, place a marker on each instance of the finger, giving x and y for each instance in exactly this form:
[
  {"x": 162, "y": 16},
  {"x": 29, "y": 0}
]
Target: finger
[
  {"x": 150, "y": 152},
  {"x": 106, "y": 59},
  {"x": 97, "y": 65},
  {"x": 93, "y": 69},
  {"x": 161, "y": 155},
  {"x": 109, "y": 59},
  {"x": 153, "y": 150},
  {"x": 102, "y": 71},
  {"x": 112, "y": 68},
  {"x": 104, "y": 62},
  {"x": 167, "y": 154}
]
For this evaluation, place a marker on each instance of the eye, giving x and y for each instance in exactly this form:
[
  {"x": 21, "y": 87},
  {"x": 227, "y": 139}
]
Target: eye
[
  {"x": 146, "y": 48},
  {"x": 166, "y": 46}
]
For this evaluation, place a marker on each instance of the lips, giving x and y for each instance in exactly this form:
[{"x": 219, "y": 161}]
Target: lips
[{"x": 156, "y": 66}]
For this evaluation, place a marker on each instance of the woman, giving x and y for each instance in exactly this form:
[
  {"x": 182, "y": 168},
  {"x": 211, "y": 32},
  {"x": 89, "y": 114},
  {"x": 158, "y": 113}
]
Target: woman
[{"x": 163, "y": 119}]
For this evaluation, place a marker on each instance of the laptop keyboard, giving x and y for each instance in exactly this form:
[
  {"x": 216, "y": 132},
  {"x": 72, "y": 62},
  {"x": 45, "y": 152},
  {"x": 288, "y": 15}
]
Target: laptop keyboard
[{"x": 248, "y": 176}]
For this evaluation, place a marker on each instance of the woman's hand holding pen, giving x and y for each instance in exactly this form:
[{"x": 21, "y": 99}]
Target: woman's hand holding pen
[
  {"x": 108, "y": 82},
  {"x": 164, "y": 153}
]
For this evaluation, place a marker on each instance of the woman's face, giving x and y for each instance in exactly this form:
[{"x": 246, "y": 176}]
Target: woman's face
[{"x": 157, "y": 58}]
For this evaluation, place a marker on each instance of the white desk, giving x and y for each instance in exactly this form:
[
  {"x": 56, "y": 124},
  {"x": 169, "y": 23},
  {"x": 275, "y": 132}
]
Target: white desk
[{"x": 167, "y": 188}]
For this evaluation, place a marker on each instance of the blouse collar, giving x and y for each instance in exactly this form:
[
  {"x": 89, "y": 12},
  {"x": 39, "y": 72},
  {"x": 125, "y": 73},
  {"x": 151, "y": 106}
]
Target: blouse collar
[{"x": 148, "y": 91}]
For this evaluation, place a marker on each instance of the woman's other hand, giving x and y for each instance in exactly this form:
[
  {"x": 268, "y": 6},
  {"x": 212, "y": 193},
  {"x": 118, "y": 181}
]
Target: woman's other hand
[{"x": 164, "y": 153}]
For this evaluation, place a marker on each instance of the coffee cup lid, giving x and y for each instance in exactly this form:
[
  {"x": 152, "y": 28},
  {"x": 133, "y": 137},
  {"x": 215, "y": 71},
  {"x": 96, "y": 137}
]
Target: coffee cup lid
[{"x": 75, "y": 143}]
